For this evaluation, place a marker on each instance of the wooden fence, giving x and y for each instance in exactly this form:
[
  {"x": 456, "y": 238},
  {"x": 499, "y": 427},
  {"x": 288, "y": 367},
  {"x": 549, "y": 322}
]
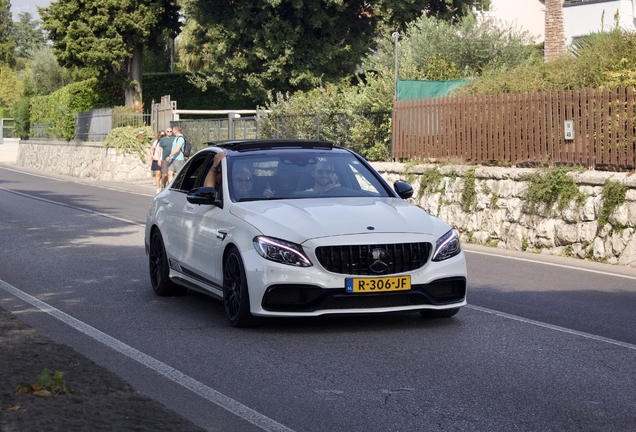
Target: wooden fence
[{"x": 524, "y": 129}]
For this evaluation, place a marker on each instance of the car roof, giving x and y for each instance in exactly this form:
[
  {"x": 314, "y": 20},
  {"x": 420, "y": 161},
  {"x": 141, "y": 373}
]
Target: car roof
[{"x": 273, "y": 144}]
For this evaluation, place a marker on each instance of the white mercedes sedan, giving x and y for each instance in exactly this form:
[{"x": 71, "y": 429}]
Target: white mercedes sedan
[{"x": 299, "y": 228}]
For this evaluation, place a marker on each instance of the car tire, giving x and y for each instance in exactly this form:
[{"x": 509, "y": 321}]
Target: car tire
[
  {"x": 160, "y": 270},
  {"x": 236, "y": 299},
  {"x": 443, "y": 313}
]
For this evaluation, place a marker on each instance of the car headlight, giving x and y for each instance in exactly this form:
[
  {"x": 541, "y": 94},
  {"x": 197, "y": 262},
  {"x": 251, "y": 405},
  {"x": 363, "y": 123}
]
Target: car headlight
[
  {"x": 281, "y": 251},
  {"x": 447, "y": 246}
]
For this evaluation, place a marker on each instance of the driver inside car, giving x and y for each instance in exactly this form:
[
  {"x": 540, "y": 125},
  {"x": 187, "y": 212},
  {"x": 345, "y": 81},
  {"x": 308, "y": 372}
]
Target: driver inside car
[{"x": 324, "y": 177}]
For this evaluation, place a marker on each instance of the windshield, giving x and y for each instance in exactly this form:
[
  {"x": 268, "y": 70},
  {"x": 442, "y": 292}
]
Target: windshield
[{"x": 301, "y": 174}]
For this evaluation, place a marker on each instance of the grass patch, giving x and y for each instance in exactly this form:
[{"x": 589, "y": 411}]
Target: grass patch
[{"x": 46, "y": 385}]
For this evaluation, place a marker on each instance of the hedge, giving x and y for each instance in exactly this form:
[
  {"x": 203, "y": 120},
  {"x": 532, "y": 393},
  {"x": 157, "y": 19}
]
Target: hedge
[{"x": 57, "y": 110}]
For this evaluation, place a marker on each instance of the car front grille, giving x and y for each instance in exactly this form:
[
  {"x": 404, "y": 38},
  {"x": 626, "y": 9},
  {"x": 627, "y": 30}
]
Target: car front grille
[
  {"x": 357, "y": 259},
  {"x": 309, "y": 298}
]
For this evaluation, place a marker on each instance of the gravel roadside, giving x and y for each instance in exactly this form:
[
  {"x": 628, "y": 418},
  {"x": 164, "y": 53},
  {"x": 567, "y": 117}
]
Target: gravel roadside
[{"x": 105, "y": 402}]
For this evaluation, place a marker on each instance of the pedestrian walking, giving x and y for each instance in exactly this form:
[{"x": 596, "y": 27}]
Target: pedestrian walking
[
  {"x": 154, "y": 158},
  {"x": 166, "y": 148},
  {"x": 175, "y": 158}
]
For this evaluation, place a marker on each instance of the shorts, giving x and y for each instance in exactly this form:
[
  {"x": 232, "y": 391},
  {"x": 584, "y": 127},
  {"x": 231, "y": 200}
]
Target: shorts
[
  {"x": 172, "y": 166},
  {"x": 175, "y": 165},
  {"x": 155, "y": 166},
  {"x": 164, "y": 167}
]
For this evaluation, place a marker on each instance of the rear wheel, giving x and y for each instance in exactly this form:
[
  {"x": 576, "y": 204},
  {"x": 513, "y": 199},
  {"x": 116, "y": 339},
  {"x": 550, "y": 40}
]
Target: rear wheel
[
  {"x": 159, "y": 268},
  {"x": 443, "y": 313},
  {"x": 236, "y": 298}
]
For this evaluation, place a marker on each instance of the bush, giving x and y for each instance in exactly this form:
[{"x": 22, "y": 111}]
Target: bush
[
  {"x": 354, "y": 116},
  {"x": 21, "y": 116},
  {"x": 126, "y": 138},
  {"x": 600, "y": 59}
]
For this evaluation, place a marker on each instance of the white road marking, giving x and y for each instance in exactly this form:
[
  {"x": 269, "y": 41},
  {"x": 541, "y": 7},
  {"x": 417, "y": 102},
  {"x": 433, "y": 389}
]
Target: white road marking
[
  {"x": 72, "y": 180},
  {"x": 128, "y": 221},
  {"x": 553, "y": 327},
  {"x": 161, "y": 368},
  {"x": 552, "y": 264}
]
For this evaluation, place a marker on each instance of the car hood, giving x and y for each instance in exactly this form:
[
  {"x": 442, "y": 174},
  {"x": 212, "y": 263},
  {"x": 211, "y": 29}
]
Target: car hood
[{"x": 304, "y": 219}]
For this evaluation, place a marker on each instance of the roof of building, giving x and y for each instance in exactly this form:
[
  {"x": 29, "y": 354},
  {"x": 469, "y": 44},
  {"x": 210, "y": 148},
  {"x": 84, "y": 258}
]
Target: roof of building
[{"x": 583, "y": 2}]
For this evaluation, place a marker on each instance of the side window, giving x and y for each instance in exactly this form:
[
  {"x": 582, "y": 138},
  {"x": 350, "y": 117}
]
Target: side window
[{"x": 192, "y": 174}]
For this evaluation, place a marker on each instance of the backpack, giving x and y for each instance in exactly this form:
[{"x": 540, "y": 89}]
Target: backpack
[{"x": 187, "y": 148}]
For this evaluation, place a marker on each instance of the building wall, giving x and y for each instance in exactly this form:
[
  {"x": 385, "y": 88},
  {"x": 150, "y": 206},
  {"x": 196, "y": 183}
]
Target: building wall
[
  {"x": 584, "y": 17},
  {"x": 528, "y": 15}
]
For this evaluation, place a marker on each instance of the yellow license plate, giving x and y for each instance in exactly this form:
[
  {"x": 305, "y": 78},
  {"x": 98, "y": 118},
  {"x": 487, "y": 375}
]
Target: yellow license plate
[{"x": 380, "y": 284}]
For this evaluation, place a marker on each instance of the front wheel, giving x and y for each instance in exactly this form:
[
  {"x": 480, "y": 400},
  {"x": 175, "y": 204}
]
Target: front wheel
[
  {"x": 160, "y": 270},
  {"x": 443, "y": 313},
  {"x": 236, "y": 299}
]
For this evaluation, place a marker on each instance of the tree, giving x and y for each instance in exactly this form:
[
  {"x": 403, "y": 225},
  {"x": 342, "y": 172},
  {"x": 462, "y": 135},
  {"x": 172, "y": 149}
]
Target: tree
[
  {"x": 10, "y": 86},
  {"x": 45, "y": 73},
  {"x": 432, "y": 49},
  {"x": 287, "y": 45},
  {"x": 7, "y": 40},
  {"x": 28, "y": 35},
  {"x": 108, "y": 37}
]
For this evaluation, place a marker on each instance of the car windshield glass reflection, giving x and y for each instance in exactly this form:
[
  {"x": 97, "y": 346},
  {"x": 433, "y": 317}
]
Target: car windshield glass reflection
[{"x": 293, "y": 176}]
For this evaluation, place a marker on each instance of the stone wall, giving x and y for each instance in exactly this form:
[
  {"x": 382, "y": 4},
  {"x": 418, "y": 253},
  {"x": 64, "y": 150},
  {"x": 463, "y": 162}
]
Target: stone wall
[
  {"x": 86, "y": 160},
  {"x": 501, "y": 218}
]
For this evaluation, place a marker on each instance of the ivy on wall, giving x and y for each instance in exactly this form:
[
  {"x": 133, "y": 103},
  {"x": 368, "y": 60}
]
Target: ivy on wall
[
  {"x": 613, "y": 195},
  {"x": 549, "y": 187}
]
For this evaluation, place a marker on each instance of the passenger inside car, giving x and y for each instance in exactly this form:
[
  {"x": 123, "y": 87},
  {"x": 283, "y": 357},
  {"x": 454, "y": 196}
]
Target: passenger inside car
[
  {"x": 215, "y": 175},
  {"x": 242, "y": 182},
  {"x": 284, "y": 182}
]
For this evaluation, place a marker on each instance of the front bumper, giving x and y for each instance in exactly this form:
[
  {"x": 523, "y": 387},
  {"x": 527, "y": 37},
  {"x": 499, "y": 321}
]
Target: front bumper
[{"x": 281, "y": 290}]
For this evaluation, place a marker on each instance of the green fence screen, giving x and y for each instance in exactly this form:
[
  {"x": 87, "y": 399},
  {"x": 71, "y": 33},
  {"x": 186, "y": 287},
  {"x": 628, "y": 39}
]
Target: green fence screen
[{"x": 416, "y": 89}]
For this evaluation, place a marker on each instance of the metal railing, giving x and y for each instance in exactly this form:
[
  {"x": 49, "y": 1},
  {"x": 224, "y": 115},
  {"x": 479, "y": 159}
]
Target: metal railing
[
  {"x": 358, "y": 131},
  {"x": 94, "y": 125},
  {"x": 7, "y": 128}
]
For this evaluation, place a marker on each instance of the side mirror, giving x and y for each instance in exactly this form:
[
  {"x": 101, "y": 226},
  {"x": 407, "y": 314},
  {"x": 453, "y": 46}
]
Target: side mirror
[
  {"x": 202, "y": 196},
  {"x": 403, "y": 189}
]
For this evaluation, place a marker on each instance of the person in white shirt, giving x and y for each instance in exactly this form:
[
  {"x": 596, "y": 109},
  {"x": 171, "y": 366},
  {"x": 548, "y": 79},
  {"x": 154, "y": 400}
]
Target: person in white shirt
[{"x": 154, "y": 159}]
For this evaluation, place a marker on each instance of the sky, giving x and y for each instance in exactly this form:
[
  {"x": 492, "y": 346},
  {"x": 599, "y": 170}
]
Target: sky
[{"x": 18, "y": 6}]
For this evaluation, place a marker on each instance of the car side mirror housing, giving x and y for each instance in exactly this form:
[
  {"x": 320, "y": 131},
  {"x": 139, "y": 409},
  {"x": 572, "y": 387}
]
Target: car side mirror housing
[
  {"x": 202, "y": 196},
  {"x": 403, "y": 189}
]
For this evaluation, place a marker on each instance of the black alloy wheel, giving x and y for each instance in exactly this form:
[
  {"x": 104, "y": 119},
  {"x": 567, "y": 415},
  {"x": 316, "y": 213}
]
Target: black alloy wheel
[
  {"x": 159, "y": 268},
  {"x": 236, "y": 298}
]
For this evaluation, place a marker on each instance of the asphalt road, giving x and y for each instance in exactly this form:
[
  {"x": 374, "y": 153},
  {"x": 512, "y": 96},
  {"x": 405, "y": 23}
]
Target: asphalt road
[{"x": 546, "y": 343}]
